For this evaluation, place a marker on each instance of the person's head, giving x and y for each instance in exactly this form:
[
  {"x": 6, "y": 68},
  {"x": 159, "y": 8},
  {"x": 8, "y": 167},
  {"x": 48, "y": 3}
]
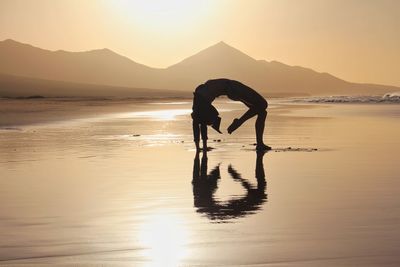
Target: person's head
[
  {"x": 204, "y": 112},
  {"x": 207, "y": 114},
  {"x": 212, "y": 118}
]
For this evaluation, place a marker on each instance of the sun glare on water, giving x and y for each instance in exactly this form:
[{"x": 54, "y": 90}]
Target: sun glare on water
[
  {"x": 164, "y": 238},
  {"x": 163, "y": 115},
  {"x": 162, "y": 14}
]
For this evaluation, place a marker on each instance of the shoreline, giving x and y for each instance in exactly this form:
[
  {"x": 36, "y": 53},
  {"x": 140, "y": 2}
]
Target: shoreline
[{"x": 18, "y": 113}]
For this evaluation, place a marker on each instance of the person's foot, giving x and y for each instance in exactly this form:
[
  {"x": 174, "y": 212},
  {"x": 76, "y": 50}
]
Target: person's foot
[
  {"x": 263, "y": 147},
  {"x": 234, "y": 125},
  {"x": 207, "y": 149}
]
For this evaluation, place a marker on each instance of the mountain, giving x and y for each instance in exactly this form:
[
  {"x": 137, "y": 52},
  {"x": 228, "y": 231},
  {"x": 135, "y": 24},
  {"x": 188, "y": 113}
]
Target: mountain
[
  {"x": 101, "y": 66},
  {"x": 17, "y": 86},
  {"x": 105, "y": 67},
  {"x": 222, "y": 60}
]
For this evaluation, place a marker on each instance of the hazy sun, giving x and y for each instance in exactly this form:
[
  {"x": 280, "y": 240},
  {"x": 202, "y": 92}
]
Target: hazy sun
[{"x": 162, "y": 15}]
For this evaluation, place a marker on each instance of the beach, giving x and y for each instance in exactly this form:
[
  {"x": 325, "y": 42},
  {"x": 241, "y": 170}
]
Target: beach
[{"x": 119, "y": 183}]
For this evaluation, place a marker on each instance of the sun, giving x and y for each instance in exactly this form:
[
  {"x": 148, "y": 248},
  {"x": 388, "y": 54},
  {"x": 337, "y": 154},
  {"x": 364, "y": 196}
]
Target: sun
[{"x": 162, "y": 15}]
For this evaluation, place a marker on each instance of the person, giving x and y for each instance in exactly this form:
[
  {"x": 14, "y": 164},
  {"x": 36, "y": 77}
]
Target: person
[{"x": 205, "y": 114}]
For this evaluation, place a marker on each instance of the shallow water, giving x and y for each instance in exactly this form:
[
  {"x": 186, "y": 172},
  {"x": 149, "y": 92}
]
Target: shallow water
[{"x": 128, "y": 188}]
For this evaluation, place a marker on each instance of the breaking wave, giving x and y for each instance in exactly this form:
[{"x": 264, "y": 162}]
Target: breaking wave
[{"x": 393, "y": 97}]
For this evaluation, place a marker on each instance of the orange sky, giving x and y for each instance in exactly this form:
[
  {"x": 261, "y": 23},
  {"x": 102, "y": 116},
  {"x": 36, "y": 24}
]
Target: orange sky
[{"x": 357, "y": 40}]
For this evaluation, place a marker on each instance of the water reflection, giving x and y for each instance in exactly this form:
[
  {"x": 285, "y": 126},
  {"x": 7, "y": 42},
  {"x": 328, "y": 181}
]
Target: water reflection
[
  {"x": 164, "y": 237},
  {"x": 163, "y": 115},
  {"x": 205, "y": 185}
]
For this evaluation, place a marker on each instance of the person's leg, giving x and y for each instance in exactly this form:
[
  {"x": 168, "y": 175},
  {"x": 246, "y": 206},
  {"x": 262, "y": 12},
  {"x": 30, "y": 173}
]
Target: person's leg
[
  {"x": 204, "y": 136},
  {"x": 261, "y": 113},
  {"x": 238, "y": 122},
  {"x": 260, "y": 125}
]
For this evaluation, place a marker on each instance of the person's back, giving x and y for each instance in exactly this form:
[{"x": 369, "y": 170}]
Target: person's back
[
  {"x": 240, "y": 92},
  {"x": 212, "y": 89},
  {"x": 235, "y": 90}
]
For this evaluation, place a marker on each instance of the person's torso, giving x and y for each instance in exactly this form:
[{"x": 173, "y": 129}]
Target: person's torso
[
  {"x": 235, "y": 90},
  {"x": 212, "y": 89},
  {"x": 240, "y": 92}
]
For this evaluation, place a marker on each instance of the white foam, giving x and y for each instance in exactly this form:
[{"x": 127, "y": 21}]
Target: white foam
[{"x": 387, "y": 98}]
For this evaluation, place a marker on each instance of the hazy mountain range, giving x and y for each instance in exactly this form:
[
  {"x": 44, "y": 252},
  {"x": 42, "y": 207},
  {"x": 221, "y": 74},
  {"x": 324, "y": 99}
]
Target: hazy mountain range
[{"x": 28, "y": 70}]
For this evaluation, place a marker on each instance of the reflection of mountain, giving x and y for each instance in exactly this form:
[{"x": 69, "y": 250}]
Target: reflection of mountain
[
  {"x": 104, "y": 67},
  {"x": 206, "y": 184}
]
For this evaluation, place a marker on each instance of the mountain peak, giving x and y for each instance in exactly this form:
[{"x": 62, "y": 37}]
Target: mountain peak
[
  {"x": 104, "y": 51},
  {"x": 222, "y": 43},
  {"x": 216, "y": 54},
  {"x": 9, "y": 41},
  {"x": 13, "y": 43},
  {"x": 16, "y": 47},
  {"x": 224, "y": 46}
]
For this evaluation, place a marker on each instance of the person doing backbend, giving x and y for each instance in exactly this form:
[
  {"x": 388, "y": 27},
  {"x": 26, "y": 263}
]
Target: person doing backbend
[{"x": 204, "y": 113}]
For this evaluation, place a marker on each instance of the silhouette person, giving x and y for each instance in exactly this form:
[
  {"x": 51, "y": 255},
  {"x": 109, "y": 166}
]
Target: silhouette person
[
  {"x": 205, "y": 185},
  {"x": 204, "y": 113}
]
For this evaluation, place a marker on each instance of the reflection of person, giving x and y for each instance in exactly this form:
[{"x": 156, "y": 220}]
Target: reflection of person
[
  {"x": 205, "y": 185},
  {"x": 204, "y": 113}
]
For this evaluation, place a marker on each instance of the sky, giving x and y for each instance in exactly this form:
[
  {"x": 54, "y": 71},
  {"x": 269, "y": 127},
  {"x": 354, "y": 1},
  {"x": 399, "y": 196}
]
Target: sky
[{"x": 356, "y": 40}]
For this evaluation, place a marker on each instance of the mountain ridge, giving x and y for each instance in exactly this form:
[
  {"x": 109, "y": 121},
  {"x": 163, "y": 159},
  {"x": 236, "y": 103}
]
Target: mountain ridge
[{"x": 106, "y": 67}]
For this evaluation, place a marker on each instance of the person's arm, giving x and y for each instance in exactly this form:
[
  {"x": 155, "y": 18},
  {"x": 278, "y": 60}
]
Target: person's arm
[{"x": 196, "y": 133}]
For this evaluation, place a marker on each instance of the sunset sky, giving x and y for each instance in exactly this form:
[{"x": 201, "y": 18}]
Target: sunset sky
[{"x": 357, "y": 40}]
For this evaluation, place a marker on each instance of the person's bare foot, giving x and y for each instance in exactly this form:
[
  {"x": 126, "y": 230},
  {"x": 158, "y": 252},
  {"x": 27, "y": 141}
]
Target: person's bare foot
[
  {"x": 207, "y": 149},
  {"x": 234, "y": 125},
  {"x": 263, "y": 147}
]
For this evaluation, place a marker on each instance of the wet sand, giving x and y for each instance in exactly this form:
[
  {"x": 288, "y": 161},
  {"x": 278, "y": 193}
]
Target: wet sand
[{"x": 124, "y": 187}]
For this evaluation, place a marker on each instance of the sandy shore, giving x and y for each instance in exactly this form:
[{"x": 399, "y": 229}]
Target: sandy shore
[{"x": 119, "y": 184}]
